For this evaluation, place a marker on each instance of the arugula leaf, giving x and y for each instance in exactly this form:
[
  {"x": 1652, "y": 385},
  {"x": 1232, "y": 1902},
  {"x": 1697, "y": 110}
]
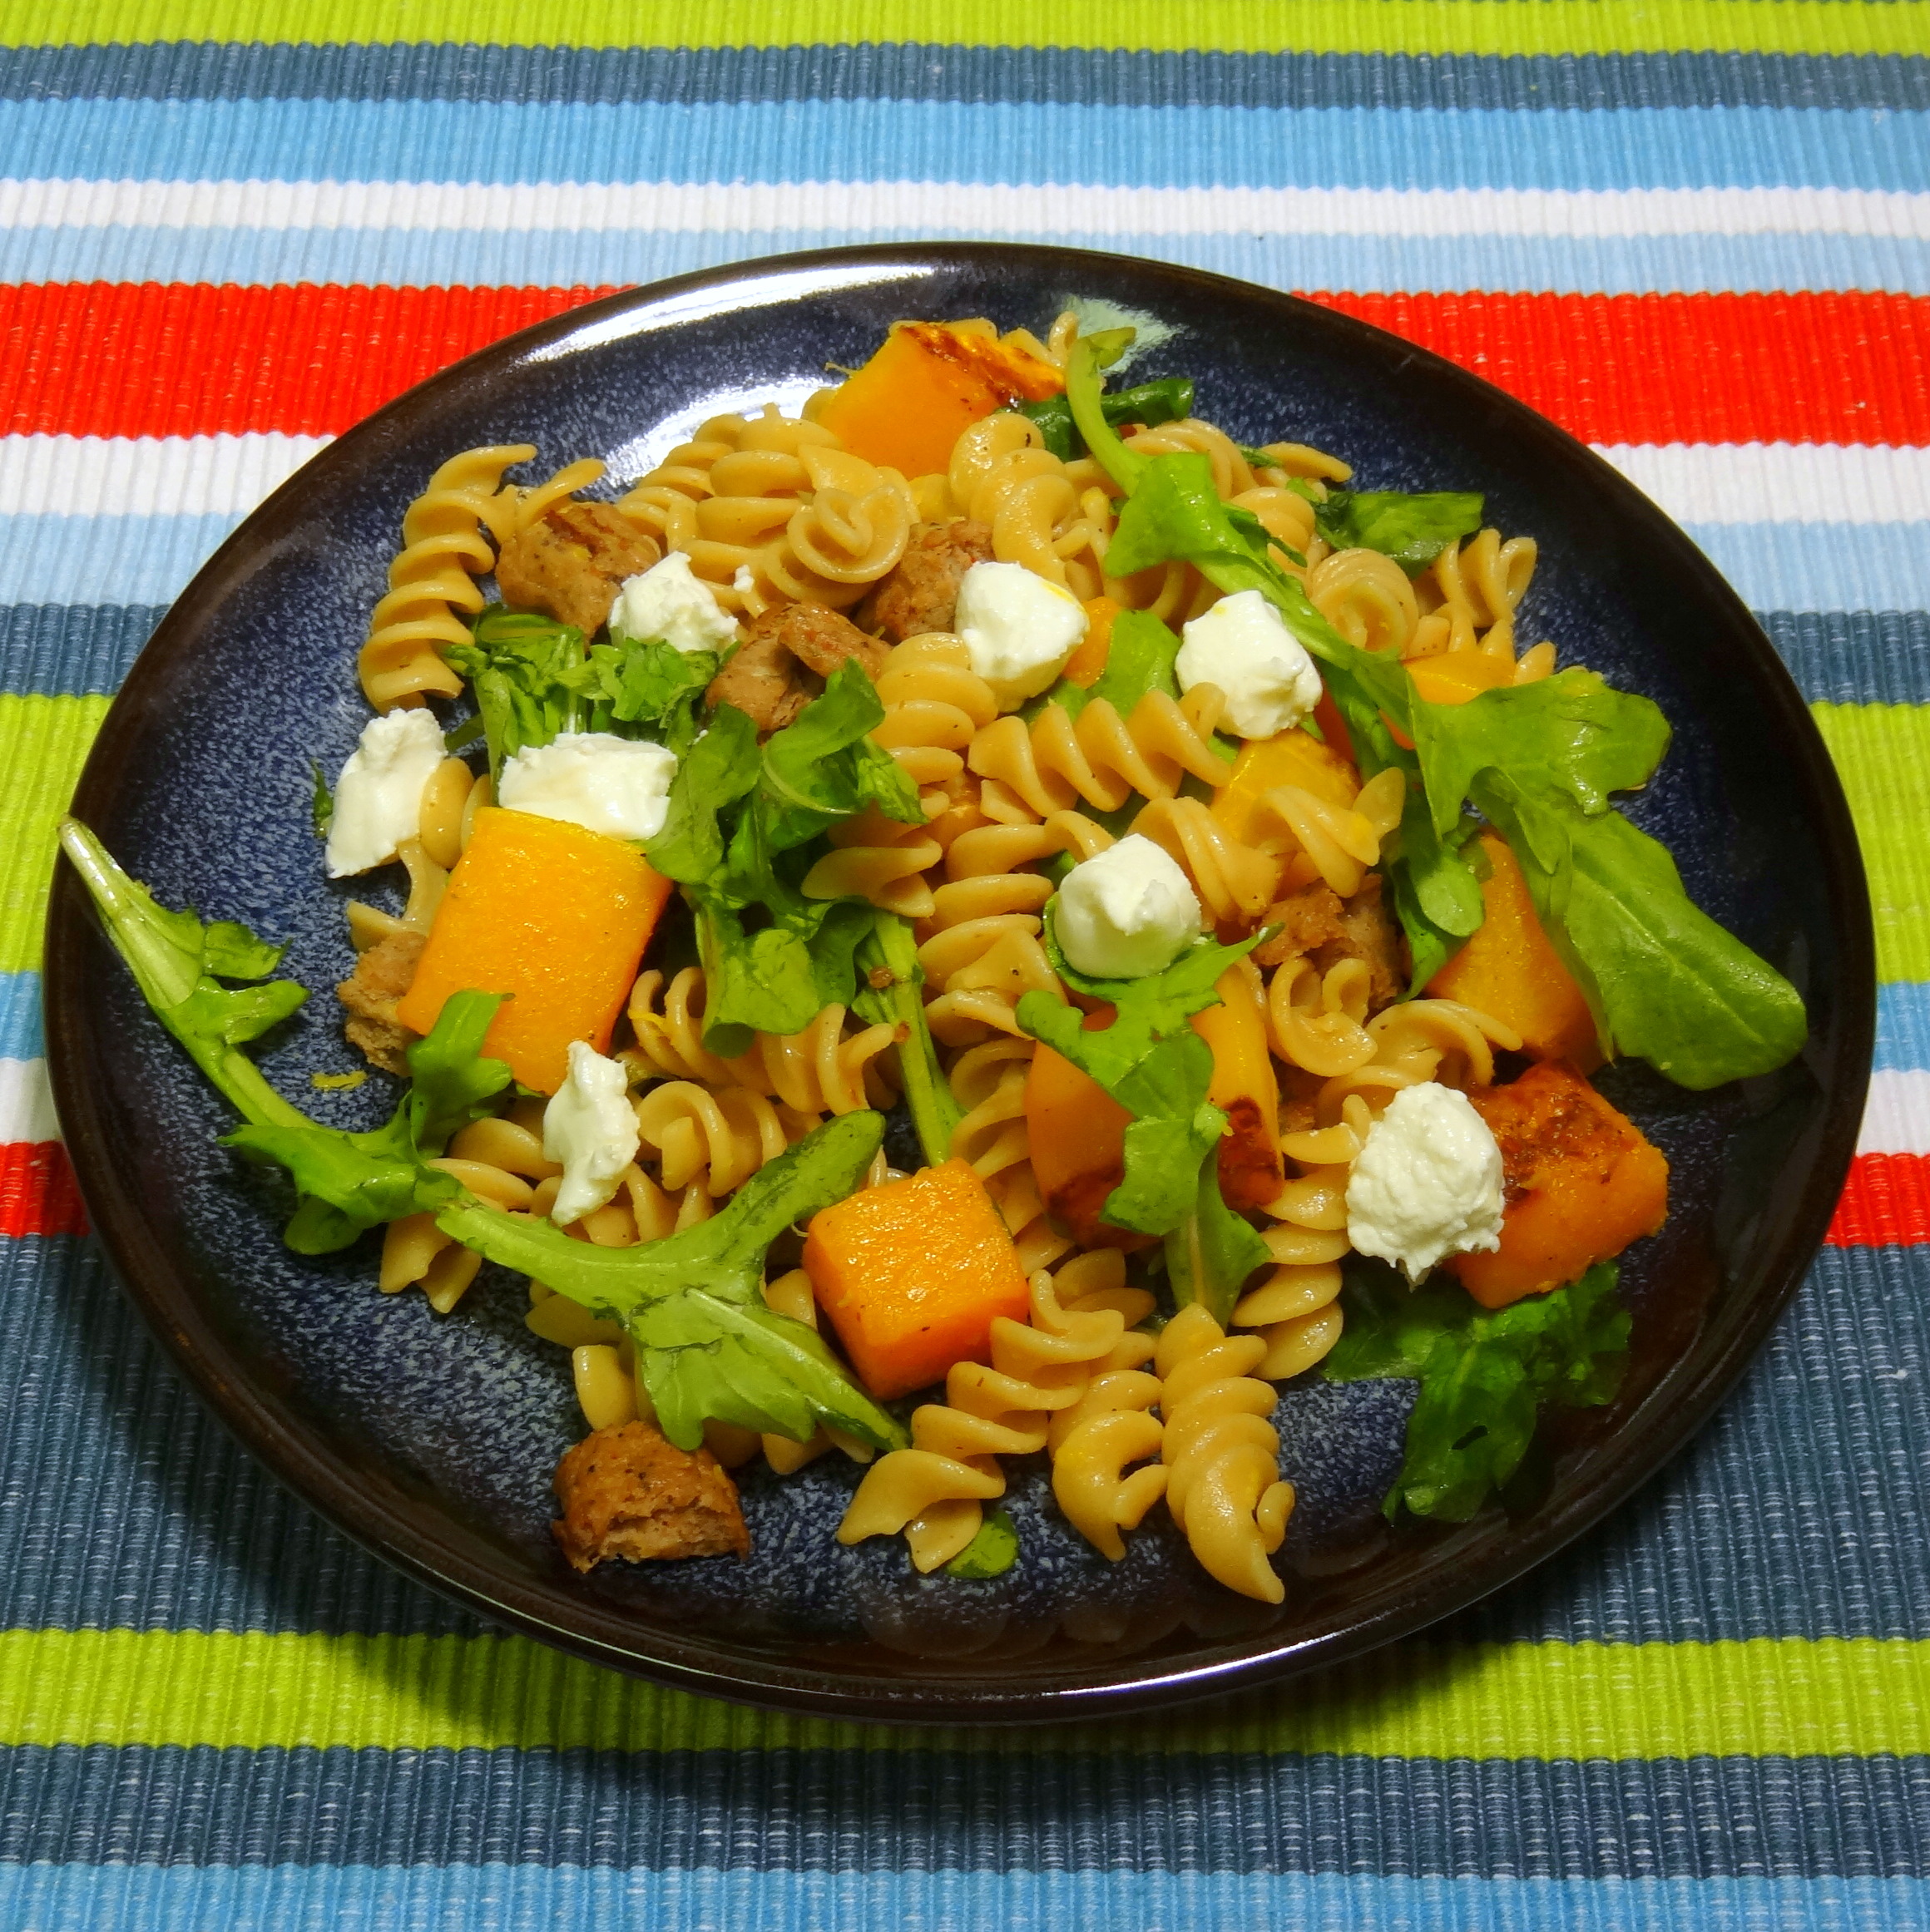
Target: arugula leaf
[
  {"x": 321, "y": 801},
  {"x": 1213, "y": 1252},
  {"x": 1413, "y": 529},
  {"x": 1139, "y": 659},
  {"x": 346, "y": 1182},
  {"x": 890, "y": 975},
  {"x": 991, "y": 1552},
  {"x": 1151, "y": 404},
  {"x": 530, "y": 677},
  {"x": 1155, "y": 1065},
  {"x": 708, "y": 1348},
  {"x": 741, "y": 831},
  {"x": 1664, "y": 980},
  {"x": 175, "y": 961},
  {"x": 1483, "y": 1376}
]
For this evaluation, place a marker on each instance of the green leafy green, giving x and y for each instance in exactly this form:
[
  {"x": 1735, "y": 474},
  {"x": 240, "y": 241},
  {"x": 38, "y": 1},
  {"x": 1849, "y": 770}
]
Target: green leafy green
[
  {"x": 1664, "y": 980},
  {"x": 888, "y": 979},
  {"x": 534, "y": 679},
  {"x": 991, "y": 1552},
  {"x": 707, "y": 1347},
  {"x": 1138, "y": 659},
  {"x": 1152, "y": 403},
  {"x": 742, "y": 829},
  {"x": 1155, "y": 1065},
  {"x": 1213, "y": 1252},
  {"x": 321, "y": 801},
  {"x": 1414, "y": 530},
  {"x": 349, "y": 1182},
  {"x": 1483, "y": 1376}
]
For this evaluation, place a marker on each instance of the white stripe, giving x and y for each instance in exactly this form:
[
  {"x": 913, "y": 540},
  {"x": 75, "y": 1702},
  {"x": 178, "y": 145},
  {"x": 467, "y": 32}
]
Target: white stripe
[
  {"x": 1702, "y": 483},
  {"x": 1780, "y": 483},
  {"x": 148, "y": 475},
  {"x": 1047, "y": 208},
  {"x": 26, "y": 1102},
  {"x": 1896, "y": 1118}
]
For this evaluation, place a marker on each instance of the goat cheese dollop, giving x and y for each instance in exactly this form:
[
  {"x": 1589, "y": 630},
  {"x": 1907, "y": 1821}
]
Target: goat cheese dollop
[
  {"x": 1126, "y": 913},
  {"x": 591, "y": 1127},
  {"x": 1428, "y": 1182},
  {"x": 619, "y": 786},
  {"x": 1017, "y": 629},
  {"x": 378, "y": 796},
  {"x": 667, "y": 601},
  {"x": 1243, "y": 646}
]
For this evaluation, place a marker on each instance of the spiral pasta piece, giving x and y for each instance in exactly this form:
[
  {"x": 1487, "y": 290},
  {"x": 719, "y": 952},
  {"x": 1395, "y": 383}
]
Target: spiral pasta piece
[
  {"x": 934, "y": 704},
  {"x": 848, "y": 531},
  {"x": 721, "y": 1138},
  {"x": 881, "y": 860},
  {"x": 933, "y": 1492},
  {"x": 1235, "y": 881},
  {"x": 1002, "y": 475},
  {"x": 1101, "y": 757},
  {"x": 433, "y": 577},
  {"x": 1224, "y": 1487}
]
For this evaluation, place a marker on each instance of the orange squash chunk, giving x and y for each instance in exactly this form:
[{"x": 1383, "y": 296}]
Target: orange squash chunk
[
  {"x": 1510, "y": 970},
  {"x": 1293, "y": 758},
  {"x": 1452, "y": 677},
  {"x": 1583, "y": 1181},
  {"x": 927, "y": 384},
  {"x": 1246, "y": 1088},
  {"x": 1086, "y": 665},
  {"x": 912, "y": 1276},
  {"x": 554, "y": 916},
  {"x": 1077, "y": 1134}
]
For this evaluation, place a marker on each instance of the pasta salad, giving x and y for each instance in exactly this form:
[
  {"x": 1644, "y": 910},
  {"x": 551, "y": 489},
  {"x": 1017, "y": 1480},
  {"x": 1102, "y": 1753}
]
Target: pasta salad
[{"x": 987, "y": 919}]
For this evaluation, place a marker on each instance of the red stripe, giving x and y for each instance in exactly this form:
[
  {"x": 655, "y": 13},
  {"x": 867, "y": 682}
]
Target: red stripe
[
  {"x": 37, "y": 1195},
  {"x": 1886, "y": 1204},
  {"x": 108, "y": 359}
]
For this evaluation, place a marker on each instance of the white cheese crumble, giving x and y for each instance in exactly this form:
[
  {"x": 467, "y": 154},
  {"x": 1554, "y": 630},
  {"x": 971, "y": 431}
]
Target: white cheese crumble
[
  {"x": 615, "y": 785},
  {"x": 1126, "y": 913},
  {"x": 1428, "y": 1182},
  {"x": 591, "y": 1127},
  {"x": 1017, "y": 629},
  {"x": 667, "y": 601},
  {"x": 1243, "y": 646},
  {"x": 378, "y": 796}
]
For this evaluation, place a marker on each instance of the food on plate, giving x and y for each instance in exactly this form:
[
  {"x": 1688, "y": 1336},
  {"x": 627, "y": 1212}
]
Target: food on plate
[{"x": 1178, "y": 847}]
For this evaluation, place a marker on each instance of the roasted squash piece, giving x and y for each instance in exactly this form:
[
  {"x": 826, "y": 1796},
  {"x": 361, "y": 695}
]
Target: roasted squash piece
[
  {"x": 1582, "y": 1179},
  {"x": 928, "y": 382},
  {"x": 1246, "y": 1088},
  {"x": 1077, "y": 1134},
  {"x": 1510, "y": 970},
  {"x": 913, "y": 1274},
  {"x": 1292, "y": 757},
  {"x": 1452, "y": 677},
  {"x": 1086, "y": 665},
  {"x": 554, "y": 916}
]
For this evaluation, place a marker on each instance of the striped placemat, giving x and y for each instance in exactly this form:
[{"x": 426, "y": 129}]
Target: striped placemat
[{"x": 1697, "y": 234}]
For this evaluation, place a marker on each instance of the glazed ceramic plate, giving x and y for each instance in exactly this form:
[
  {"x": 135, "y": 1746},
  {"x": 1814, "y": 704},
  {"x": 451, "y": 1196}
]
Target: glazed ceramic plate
[{"x": 431, "y": 1439}]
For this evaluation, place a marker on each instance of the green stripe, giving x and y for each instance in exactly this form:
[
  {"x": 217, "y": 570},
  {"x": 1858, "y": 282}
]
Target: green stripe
[
  {"x": 1412, "y": 27},
  {"x": 44, "y": 743},
  {"x": 1768, "y": 1697},
  {"x": 1883, "y": 755}
]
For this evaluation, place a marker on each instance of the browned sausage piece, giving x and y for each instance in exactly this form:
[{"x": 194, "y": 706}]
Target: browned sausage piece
[
  {"x": 572, "y": 561},
  {"x": 787, "y": 653},
  {"x": 921, "y": 593},
  {"x": 1317, "y": 924},
  {"x": 382, "y": 975},
  {"x": 628, "y": 1492}
]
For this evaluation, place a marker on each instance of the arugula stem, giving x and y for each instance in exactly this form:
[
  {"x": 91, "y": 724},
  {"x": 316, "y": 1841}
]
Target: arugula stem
[
  {"x": 1106, "y": 446},
  {"x": 935, "y": 1113}
]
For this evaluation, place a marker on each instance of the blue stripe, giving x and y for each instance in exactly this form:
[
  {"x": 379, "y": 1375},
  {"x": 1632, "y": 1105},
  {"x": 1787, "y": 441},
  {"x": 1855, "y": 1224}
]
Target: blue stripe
[
  {"x": 1115, "y": 77},
  {"x": 561, "y": 258},
  {"x": 1798, "y": 1514},
  {"x": 1854, "y": 657},
  {"x": 21, "y": 1034},
  {"x": 967, "y": 1809},
  {"x": 1775, "y": 567},
  {"x": 72, "y": 649},
  {"x": 993, "y": 142},
  {"x": 1903, "y": 1027},
  {"x": 516, "y": 1897},
  {"x": 1822, "y": 566}
]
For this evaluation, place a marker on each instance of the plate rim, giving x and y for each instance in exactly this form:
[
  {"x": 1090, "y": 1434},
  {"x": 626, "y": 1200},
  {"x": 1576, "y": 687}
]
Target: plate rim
[{"x": 166, "y": 1297}]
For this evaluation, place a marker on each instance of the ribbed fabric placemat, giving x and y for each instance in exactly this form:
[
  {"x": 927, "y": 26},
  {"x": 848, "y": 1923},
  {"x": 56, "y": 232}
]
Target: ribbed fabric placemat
[{"x": 1696, "y": 233}]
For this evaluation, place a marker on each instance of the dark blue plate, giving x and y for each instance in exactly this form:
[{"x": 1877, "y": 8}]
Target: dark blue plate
[{"x": 432, "y": 1439}]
